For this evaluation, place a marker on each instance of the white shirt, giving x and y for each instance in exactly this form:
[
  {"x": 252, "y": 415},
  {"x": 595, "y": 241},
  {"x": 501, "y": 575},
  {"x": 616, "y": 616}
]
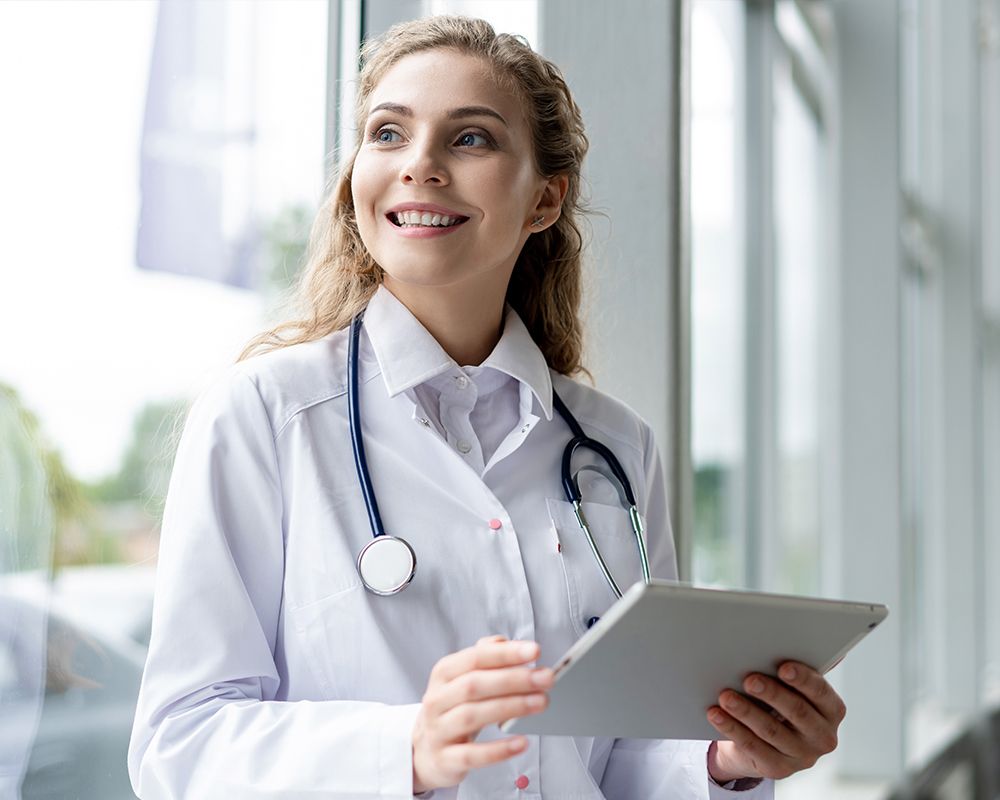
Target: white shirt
[{"x": 273, "y": 673}]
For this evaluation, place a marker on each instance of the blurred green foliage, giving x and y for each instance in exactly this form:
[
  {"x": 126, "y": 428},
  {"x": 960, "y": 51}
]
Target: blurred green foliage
[
  {"x": 38, "y": 495},
  {"x": 144, "y": 474},
  {"x": 286, "y": 238},
  {"x": 715, "y": 556},
  {"x": 49, "y": 518}
]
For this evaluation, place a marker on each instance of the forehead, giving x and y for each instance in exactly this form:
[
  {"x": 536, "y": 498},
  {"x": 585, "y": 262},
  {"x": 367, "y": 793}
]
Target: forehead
[{"x": 433, "y": 81}]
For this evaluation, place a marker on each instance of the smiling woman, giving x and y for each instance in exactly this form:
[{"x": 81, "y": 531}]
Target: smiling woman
[
  {"x": 457, "y": 113},
  {"x": 449, "y": 150},
  {"x": 441, "y": 297}
]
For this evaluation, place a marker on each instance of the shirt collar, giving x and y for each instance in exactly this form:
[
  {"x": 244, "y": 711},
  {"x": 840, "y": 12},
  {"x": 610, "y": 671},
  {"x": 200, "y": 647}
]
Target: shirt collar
[{"x": 408, "y": 355}]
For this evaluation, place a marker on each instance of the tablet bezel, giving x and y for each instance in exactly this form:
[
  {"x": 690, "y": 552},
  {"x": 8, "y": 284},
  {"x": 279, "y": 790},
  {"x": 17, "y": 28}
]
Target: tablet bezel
[{"x": 752, "y": 631}]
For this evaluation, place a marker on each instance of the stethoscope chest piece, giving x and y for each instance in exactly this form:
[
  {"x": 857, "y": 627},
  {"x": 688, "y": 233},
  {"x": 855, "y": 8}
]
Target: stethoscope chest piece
[{"x": 387, "y": 564}]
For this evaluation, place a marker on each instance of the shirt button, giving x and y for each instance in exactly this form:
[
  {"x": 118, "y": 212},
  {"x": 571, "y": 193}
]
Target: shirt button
[
  {"x": 462, "y": 381},
  {"x": 463, "y": 447},
  {"x": 522, "y": 782},
  {"x": 496, "y": 524}
]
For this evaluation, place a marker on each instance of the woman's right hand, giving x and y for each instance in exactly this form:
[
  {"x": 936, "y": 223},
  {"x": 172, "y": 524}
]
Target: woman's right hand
[{"x": 467, "y": 691}]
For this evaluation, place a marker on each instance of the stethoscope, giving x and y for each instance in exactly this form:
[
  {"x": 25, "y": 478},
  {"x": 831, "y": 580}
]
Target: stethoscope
[{"x": 387, "y": 564}]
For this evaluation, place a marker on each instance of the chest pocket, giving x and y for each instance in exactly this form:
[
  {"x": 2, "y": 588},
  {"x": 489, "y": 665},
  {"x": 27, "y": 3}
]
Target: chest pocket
[{"x": 589, "y": 594}]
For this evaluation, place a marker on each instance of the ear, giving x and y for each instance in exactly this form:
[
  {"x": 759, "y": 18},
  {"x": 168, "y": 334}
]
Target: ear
[{"x": 549, "y": 205}]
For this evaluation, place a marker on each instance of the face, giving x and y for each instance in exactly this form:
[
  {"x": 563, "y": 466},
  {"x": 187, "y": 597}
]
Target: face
[{"x": 444, "y": 185}]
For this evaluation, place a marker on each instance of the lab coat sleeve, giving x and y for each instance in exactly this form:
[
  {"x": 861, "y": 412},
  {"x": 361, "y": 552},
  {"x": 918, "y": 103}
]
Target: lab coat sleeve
[
  {"x": 207, "y": 723},
  {"x": 669, "y": 769}
]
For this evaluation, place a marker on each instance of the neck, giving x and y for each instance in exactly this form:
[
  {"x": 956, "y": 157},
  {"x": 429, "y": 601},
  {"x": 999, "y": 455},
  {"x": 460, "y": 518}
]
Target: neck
[{"x": 467, "y": 325}]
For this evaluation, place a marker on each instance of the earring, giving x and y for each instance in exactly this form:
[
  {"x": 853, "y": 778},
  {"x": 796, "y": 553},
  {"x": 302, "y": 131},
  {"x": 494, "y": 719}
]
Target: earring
[{"x": 537, "y": 221}]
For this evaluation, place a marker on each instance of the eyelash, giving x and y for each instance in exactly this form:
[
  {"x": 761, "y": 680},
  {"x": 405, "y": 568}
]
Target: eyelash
[{"x": 490, "y": 142}]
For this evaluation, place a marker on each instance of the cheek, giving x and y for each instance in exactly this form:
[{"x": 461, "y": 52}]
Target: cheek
[
  {"x": 510, "y": 201},
  {"x": 365, "y": 186}
]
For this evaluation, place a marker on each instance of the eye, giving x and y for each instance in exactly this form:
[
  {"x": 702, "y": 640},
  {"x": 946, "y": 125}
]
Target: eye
[
  {"x": 384, "y": 136},
  {"x": 468, "y": 139}
]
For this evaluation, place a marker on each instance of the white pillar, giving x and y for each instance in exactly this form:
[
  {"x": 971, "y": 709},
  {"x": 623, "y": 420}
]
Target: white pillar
[{"x": 872, "y": 678}]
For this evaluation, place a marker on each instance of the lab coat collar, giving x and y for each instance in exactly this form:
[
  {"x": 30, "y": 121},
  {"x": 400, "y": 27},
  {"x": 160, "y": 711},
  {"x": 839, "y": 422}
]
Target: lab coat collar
[{"x": 408, "y": 355}]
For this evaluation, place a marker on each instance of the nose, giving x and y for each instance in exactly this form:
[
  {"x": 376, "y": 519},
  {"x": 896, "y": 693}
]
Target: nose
[{"x": 424, "y": 166}]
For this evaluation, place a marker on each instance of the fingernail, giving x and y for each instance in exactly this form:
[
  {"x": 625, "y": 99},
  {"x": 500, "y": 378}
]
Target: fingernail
[
  {"x": 535, "y": 700},
  {"x": 541, "y": 677},
  {"x": 716, "y": 716},
  {"x": 527, "y": 650},
  {"x": 516, "y": 744},
  {"x": 788, "y": 672},
  {"x": 756, "y": 686},
  {"x": 731, "y": 701}
]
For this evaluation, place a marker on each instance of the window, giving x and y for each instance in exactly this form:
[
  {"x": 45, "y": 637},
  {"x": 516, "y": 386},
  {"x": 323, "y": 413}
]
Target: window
[
  {"x": 801, "y": 217},
  {"x": 164, "y": 165},
  {"x": 718, "y": 291},
  {"x": 759, "y": 220},
  {"x": 990, "y": 403}
]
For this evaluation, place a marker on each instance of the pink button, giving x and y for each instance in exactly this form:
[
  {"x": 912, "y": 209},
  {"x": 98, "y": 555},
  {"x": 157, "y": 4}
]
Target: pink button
[
  {"x": 496, "y": 524},
  {"x": 522, "y": 782}
]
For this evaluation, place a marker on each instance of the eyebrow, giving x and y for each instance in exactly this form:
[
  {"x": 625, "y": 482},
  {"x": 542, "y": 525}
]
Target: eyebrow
[{"x": 455, "y": 113}]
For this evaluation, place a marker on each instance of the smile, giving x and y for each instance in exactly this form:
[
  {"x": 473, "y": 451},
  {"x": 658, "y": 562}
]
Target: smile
[{"x": 424, "y": 219}]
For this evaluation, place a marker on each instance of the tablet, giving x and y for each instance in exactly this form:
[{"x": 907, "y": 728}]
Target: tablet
[{"x": 657, "y": 660}]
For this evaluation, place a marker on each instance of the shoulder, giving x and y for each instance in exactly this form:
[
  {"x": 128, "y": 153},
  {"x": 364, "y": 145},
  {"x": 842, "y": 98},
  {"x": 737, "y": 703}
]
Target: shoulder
[
  {"x": 604, "y": 414},
  {"x": 285, "y": 381}
]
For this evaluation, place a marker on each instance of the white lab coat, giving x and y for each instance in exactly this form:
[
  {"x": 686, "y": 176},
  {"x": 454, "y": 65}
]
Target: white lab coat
[{"x": 273, "y": 673}]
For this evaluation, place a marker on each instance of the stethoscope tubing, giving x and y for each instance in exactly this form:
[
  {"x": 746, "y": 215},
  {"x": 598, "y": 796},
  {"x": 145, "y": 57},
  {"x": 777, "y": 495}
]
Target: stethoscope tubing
[
  {"x": 570, "y": 481},
  {"x": 357, "y": 443},
  {"x": 570, "y": 484}
]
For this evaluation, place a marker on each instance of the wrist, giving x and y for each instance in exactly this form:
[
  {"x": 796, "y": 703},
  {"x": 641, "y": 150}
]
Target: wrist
[
  {"x": 721, "y": 774},
  {"x": 717, "y": 771},
  {"x": 418, "y": 785}
]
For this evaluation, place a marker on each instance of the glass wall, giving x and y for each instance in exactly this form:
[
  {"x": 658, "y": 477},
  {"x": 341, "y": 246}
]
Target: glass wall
[
  {"x": 718, "y": 290},
  {"x": 161, "y": 163},
  {"x": 990, "y": 405},
  {"x": 759, "y": 236},
  {"x": 801, "y": 228},
  {"x": 949, "y": 180}
]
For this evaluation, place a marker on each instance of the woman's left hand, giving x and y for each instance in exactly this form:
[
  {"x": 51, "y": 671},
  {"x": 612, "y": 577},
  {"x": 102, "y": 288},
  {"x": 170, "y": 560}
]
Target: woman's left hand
[{"x": 775, "y": 744}]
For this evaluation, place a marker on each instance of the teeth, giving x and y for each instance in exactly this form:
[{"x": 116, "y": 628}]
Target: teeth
[{"x": 424, "y": 218}]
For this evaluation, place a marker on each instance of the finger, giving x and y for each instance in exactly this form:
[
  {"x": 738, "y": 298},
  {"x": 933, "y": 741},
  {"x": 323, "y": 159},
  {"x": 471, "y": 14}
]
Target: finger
[
  {"x": 764, "y": 724},
  {"x": 482, "y": 684},
  {"x": 815, "y": 688},
  {"x": 485, "y": 654},
  {"x": 460, "y": 758},
  {"x": 761, "y": 757},
  {"x": 797, "y": 711},
  {"x": 470, "y": 718}
]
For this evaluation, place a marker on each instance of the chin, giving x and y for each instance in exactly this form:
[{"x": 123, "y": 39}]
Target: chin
[{"x": 422, "y": 275}]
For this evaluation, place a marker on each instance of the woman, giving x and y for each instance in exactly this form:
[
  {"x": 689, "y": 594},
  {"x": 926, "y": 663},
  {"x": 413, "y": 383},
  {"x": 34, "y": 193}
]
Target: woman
[{"x": 274, "y": 670}]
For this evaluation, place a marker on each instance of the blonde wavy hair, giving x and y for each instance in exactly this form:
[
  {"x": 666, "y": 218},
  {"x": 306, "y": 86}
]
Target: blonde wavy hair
[{"x": 340, "y": 275}]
